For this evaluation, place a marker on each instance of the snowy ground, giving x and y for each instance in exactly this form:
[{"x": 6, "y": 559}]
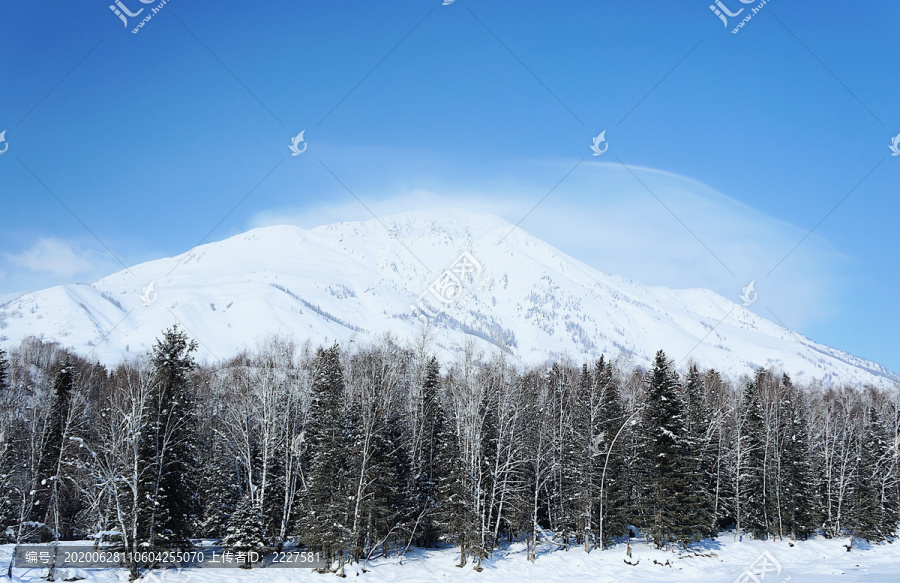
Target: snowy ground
[{"x": 722, "y": 560}]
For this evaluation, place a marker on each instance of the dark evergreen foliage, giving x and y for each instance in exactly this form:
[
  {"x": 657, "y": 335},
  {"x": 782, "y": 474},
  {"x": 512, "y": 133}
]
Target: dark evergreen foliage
[
  {"x": 751, "y": 474},
  {"x": 220, "y": 491},
  {"x": 324, "y": 521},
  {"x": 699, "y": 459},
  {"x": 4, "y": 372},
  {"x": 348, "y": 457},
  {"x": 245, "y": 531},
  {"x": 668, "y": 500},
  {"x": 797, "y": 483},
  {"x": 50, "y": 503},
  {"x": 170, "y": 447},
  {"x": 426, "y": 478},
  {"x": 8, "y": 511},
  {"x": 611, "y": 506},
  {"x": 453, "y": 514},
  {"x": 868, "y": 513}
]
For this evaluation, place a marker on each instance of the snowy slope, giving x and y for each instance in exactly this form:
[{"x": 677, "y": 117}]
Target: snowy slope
[{"x": 358, "y": 280}]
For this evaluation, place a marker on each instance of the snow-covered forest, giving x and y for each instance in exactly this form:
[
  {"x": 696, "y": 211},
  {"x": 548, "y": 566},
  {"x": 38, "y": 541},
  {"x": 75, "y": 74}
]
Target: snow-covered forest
[{"x": 361, "y": 451}]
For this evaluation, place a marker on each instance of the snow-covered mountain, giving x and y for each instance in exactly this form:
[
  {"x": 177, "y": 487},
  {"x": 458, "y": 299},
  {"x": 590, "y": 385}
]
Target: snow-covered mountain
[{"x": 358, "y": 280}]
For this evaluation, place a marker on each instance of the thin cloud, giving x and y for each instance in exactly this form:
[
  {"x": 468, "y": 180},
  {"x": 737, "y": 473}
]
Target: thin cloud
[
  {"x": 52, "y": 261},
  {"x": 602, "y": 216}
]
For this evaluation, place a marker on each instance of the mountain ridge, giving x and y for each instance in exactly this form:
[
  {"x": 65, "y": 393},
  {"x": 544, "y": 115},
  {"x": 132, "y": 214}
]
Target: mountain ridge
[{"x": 354, "y": 280}]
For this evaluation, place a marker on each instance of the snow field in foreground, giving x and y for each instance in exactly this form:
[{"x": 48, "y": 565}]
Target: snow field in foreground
[{"x": 721, "y": 560}]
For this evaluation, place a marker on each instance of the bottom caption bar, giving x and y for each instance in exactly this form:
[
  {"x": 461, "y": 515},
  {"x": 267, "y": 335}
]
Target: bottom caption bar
[{"x": 87, "y": 557}]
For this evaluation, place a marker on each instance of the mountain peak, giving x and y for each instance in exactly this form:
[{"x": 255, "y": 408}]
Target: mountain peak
[{"x": 360, "y": 279}]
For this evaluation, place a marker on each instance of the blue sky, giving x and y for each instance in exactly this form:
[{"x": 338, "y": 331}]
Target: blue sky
[{"x": 745, "y": 141}]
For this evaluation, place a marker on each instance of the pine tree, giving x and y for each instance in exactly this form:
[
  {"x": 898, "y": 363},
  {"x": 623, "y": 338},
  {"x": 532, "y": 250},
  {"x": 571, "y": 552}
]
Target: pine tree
[
  {"x": 750, "y": 465},
  {"x": 611, "y": 505},
  {"x": 8, "y": 512},
  {"x": 529, "y": 514},
  {"x": 890, "y": 482},
  {"x": 721, "y": 487},
  {"x": 666, "y": 498},
  {"x": 454, "y": 510},
  {"x": 698, "y": 456},
  {"x": 425, "y": 483},
  {"x": 390, "y": 512},
  {"x": 797, "y": 481},
  {"x": 890, "y": 492},
  {"x": 220, "y": 491},
  {"x": 245, "y": 531},
  {"x": 48, "y": 488},
  {"x": 323, "y": 520},
  {"x": 170, "y": 446},
  {"x": 567, "y": 450},
  {"x": 867, "y": 512},
  {"x": 273, "y": 508},
  {"x": 580, "y": 461},
  {"x": 4, "y": 372},
  {"x": 486, "y": 479}
]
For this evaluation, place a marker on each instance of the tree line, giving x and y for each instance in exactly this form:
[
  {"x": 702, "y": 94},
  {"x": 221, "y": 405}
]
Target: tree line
[{"x": 361, "y": 451}]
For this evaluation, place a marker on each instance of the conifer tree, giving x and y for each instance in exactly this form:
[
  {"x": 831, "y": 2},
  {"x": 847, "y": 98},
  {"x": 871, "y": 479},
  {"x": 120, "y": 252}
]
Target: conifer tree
[
  {"x": 580, "y": 461},
  {"x": 529, "y": 508},
  {"x": 867, "y": 513},
  {"x": 611, "y": 505},
  {"x": 219, "y": 491},
  {"x": 698, "y": 456},
  {"x": 568, "y": 453},
  {"x": 7, "y": 503},
  {"x": 48, "y": 488},
  {"x": 454, "y": 511},
  {"x": 245, "y": 531},
  {"x": 426, "y": 477},
  {"x": 666, "y": 496},
  {"x": 890, "y": 482},
  {"x": 391, "y": 509},
  {"x": 8, "y": 513},
  {"x": 486, "y": 480},
  {"x": 719, "y": 402},
  {"x": 273, "y": 508},
  {"x": 751, "y": 491},
  {"x": 797, "y": 480},
  {"x": 4, "y": 372},
  {"x": 323, "y": 520},
  {"x": 170, "y": 446}
]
